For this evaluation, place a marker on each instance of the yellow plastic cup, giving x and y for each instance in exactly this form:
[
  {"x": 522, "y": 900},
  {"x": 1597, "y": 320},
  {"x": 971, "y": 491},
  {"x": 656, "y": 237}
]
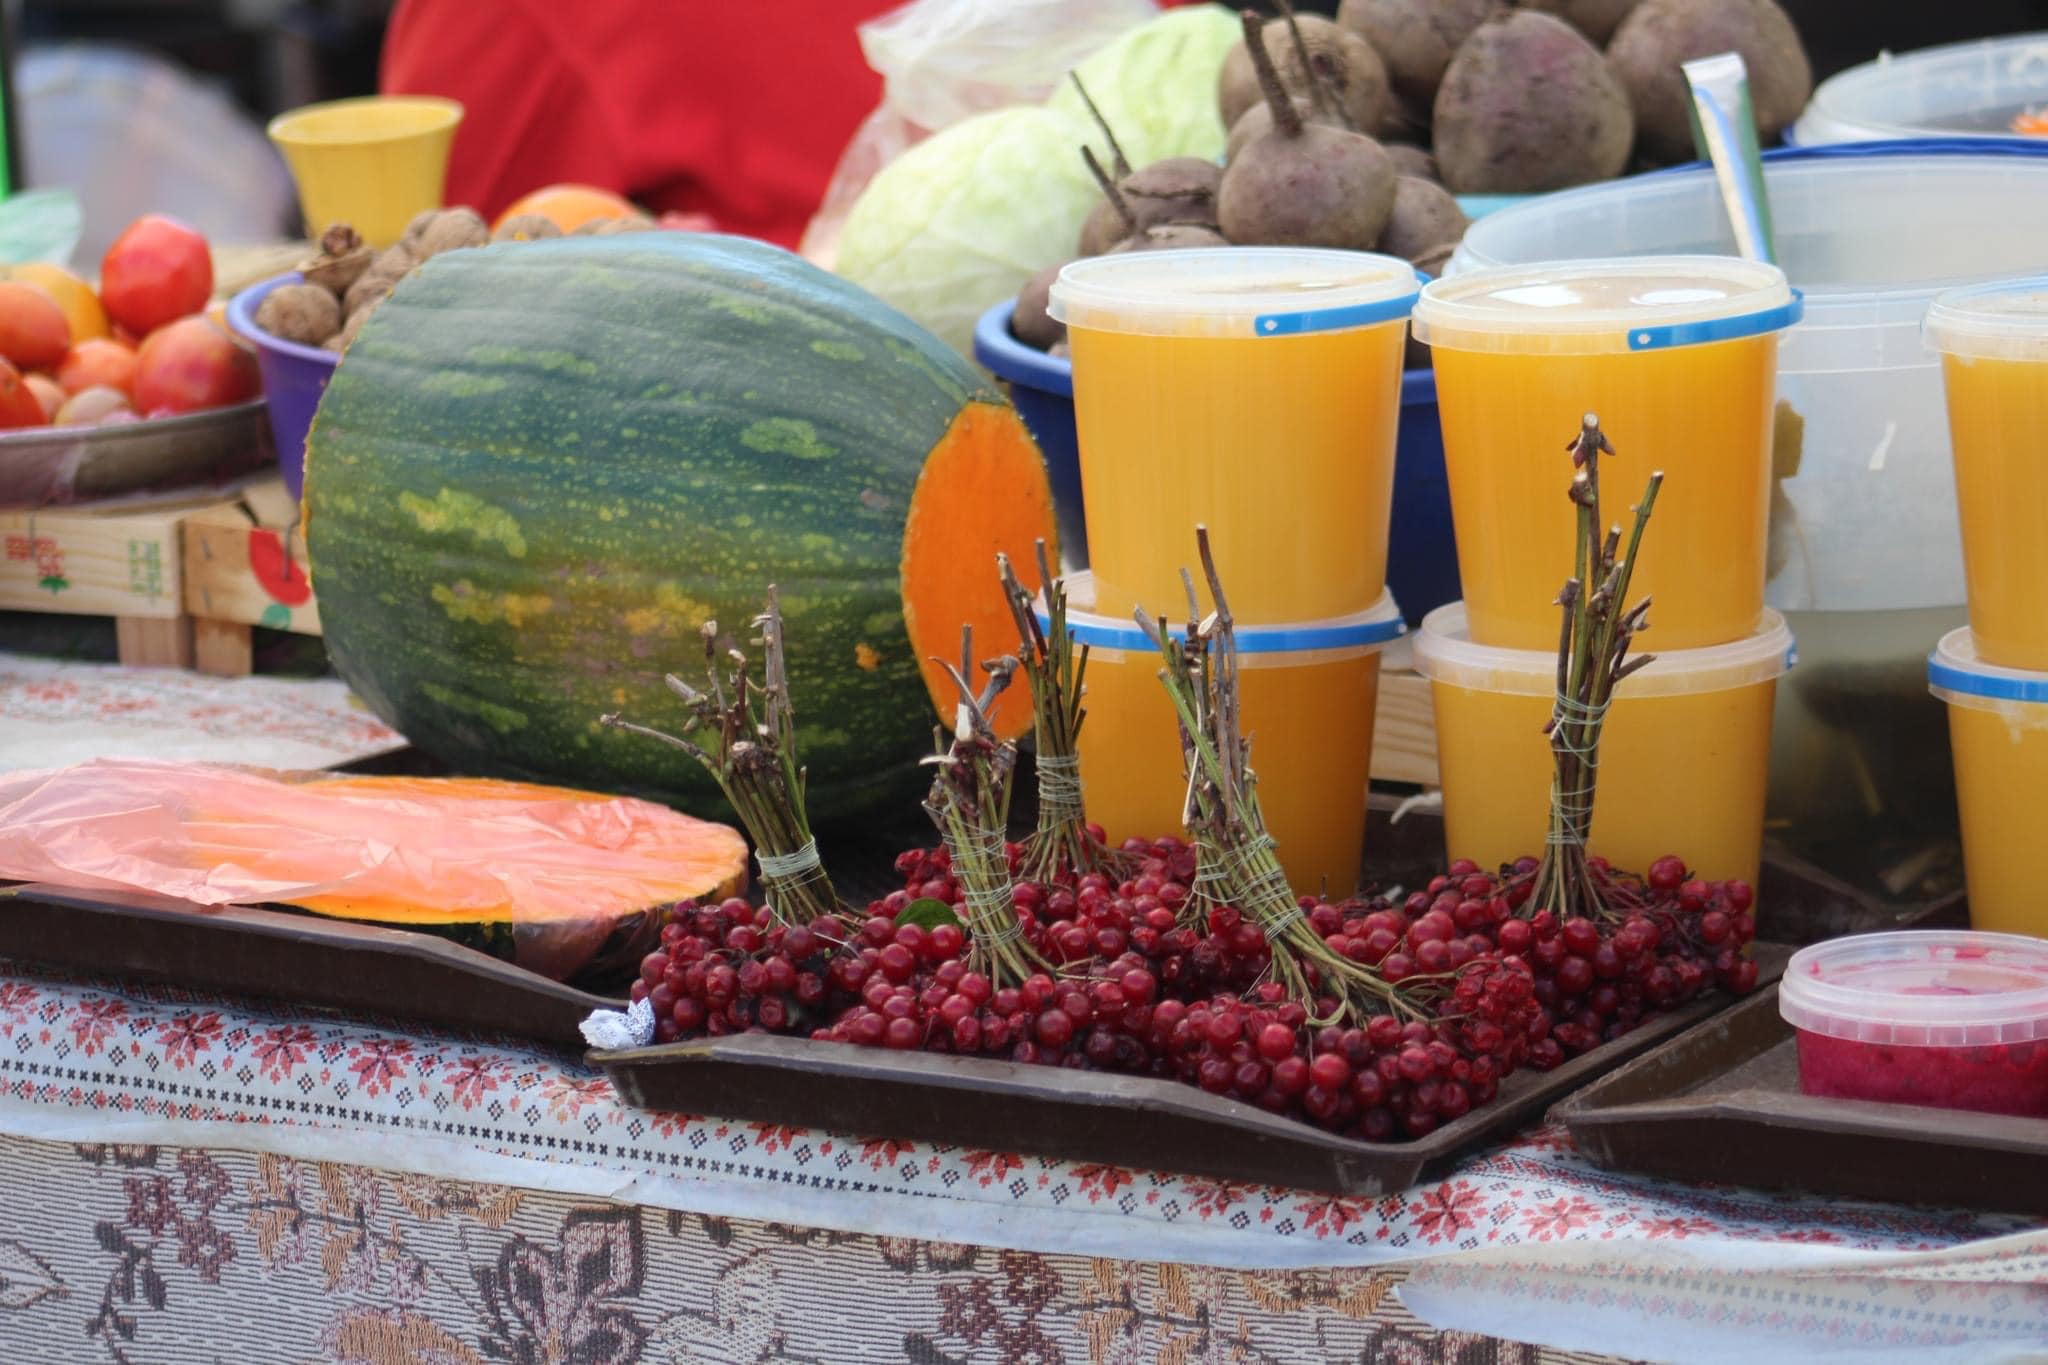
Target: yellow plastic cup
[
  {"x": 1254, "y": 389},
  {"x": 1678, "y": 357},
  {"x": 1684, "y": 755},
  {"x": 374, "y": 163},
  {"x": 1998, "y": 737},
  {"x": 1307, "y": 694},
  {"x": 1994, "y": 345}
]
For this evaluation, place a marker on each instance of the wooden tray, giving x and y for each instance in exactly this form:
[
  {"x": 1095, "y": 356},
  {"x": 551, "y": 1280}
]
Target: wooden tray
[
  {"x": 1087, "y": 1116},
  {"x": 305, "y": 959},
  {"x": 1721, "y": 1103}
]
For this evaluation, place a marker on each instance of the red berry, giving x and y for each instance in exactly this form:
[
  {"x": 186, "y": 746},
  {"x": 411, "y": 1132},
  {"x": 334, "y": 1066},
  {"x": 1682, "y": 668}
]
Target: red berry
[
  {"x": 1055, "y": 1028},
  {"x": 1581, "y": 936},
  {"x": 1330, "y": 1071},
  {"x": 1275, "y": 1042},
  {"x": 1667, "y": 873}
]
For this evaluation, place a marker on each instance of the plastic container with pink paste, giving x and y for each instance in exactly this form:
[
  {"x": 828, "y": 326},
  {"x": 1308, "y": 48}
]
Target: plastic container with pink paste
[{"x": 1953, "y": 1019}]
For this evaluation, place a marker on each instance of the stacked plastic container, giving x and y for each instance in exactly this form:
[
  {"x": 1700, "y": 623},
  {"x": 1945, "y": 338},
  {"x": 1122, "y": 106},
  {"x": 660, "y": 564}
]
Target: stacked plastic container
[
  {"x": 1677, "y": 356},
  {"x": 1255, "y": 391},
  {"x": 1993, "y": 673}
]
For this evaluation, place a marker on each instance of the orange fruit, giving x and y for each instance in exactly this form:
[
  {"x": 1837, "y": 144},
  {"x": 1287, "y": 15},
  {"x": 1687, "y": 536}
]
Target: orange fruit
[
  {"x": 569, "y": 207},
  {"x": 74, "y": 297},
  {"x": 33, "y": 331},
  {"x": 96, "y": 363}
]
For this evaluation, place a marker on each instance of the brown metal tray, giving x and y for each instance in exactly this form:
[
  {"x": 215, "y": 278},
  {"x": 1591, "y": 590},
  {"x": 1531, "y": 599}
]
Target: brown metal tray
[
  {"x": 1721, "y": 1103},
  {"x": 309, "y": 960},
  {"x": 1087, "y": 1116}
]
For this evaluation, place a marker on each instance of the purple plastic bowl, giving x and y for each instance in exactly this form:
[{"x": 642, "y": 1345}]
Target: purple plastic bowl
[{"x": 294, "y": 377}]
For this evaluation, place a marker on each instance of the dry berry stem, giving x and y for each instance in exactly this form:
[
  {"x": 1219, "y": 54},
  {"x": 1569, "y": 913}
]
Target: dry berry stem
[
  {"x": 1200, "y": 677},
  {"x": 1056, "y": 669},
  {"x": 969, "y": 802},
  {"x": 1593, "y": 642},
  {"x": 753, "y": 758}
]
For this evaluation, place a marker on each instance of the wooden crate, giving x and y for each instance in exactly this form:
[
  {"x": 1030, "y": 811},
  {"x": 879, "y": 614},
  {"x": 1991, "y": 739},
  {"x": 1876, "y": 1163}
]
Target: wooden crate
[
  {"x": 245, "y": 566},
  {"x": 122, "y": 558}
]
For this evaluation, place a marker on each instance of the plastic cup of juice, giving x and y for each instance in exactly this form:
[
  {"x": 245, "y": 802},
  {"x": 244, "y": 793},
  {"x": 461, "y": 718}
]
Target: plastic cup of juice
[
  {"x": 1684, "y": 754},
  {"x": 1307, "y": 694},
  {"x": 1254, "y": 389},
  {"x": 1994, "y": 345},
  {"x": 1998, "y": 739},
  {"x": 1678, "y": 357},
  {"x": 1947, "y": 1018},
  {"x": 373, "y": 163}
]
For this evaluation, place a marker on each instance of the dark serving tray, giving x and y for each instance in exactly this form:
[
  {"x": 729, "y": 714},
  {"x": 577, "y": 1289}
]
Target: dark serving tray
[
  {"x": 1087, "y": 1116},
  {"x": 306, "y": 959},
  {"x": 1721, "y": 1103}
]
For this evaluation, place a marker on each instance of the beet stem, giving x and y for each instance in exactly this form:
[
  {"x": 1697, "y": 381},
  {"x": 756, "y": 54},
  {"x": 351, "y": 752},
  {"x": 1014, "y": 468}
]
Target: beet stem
[
  {"x": 1123, "y": 163},
  {"x": 1286, "y": 118},
  {"x": 1110, "y": 191}
]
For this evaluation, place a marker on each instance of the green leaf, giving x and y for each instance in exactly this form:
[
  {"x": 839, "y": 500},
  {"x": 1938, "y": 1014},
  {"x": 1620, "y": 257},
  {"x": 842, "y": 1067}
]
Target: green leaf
[
  {"x": 928, "y": 913},
  {"x": 40, "y": 225}
]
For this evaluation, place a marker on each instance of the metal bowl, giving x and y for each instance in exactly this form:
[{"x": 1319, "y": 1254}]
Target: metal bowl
[{"x": 40, "y": 466}]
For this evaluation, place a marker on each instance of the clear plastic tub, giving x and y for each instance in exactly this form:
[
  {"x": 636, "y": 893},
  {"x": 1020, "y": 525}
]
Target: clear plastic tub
[
  {"x": 1993, "y": 341},
  {"x": 1254, "y": 389},
  {"x": 1957, "y": 90},
  {"x": 1953, "y": 1019},
  {"x": 1684, "y": 755},
  {"x": 1678, "y": 357},
  {"x": 1864, "y": 559},
  {"x": 1998, "y": 736},
  {"x": 1307, "y": 693}
]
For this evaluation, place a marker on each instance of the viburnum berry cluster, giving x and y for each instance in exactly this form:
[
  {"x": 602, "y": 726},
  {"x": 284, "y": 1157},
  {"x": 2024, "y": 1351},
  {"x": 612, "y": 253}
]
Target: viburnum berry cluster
[{"x": 1380, "y": 1017}]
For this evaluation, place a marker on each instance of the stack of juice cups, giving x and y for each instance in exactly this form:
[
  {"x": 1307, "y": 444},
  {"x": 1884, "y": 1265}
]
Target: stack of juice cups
[
  {"x": 1255, "y": 391},
  {"x": 1307, "y": 694},
  {"x": 1677, "y": 357},
  {"x": 1993, "y": 673}
]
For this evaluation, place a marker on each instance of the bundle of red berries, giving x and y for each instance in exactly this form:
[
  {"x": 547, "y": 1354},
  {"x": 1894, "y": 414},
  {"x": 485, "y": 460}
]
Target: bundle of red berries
[{"x": 1148, "y": 985}]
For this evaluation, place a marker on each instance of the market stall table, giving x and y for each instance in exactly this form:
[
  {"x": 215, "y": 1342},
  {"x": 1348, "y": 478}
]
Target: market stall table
[
  {"x": 183, "y": 1167},
  {"x": 179, "y": 1168}
]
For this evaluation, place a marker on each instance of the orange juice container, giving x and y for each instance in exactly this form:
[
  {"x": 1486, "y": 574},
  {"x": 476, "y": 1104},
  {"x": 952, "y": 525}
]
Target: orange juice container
[
  {"x": 1254, "y": 389},
  {"x": 1307, "y": 694},
  {"x": 1998, "y": 737},
  {"x": 1678, "y": 356},
  {"x": 1994, "y": 365},
  {"x": 1684, "y": 753}
]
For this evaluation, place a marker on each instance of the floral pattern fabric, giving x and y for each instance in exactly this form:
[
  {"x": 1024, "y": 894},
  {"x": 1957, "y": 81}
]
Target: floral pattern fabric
[
  {"x": 54, "y": 714},
  {"x": 135, "y": 1254},
  {"x": 402, "y": 1170}
]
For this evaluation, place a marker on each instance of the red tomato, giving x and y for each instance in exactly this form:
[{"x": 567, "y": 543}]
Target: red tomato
[
  {"x": 33, "y": 331},
  {"x": 190, "y": 364},
  {"x": 157, "y": 271},
  {"x": 19, "y": 406},
  {"x": 99, "y": 362}
]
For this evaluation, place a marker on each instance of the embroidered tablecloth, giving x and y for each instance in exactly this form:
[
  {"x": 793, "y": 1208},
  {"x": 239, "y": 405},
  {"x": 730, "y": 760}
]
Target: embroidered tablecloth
[
  {"x": 53, "y": 714},
  {"x": 1528, "y": 1241}
]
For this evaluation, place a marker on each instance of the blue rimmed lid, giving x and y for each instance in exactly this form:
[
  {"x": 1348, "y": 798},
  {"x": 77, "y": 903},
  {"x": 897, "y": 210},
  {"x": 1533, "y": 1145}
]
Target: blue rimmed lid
[
  {"x": 1637, "y": 303},
  {"x": 1957, "y": 675},
  {"x": 1368, "y": 629},
  {"x": 1238, "y": 291}
]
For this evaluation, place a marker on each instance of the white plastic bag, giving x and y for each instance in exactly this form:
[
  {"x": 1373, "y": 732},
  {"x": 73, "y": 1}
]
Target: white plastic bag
[
  {"x": 943, "y": 60},
  {"x": 130, "y": 133}
]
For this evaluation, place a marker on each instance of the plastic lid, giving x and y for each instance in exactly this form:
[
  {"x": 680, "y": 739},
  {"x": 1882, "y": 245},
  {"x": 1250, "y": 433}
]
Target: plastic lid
[
  {"x": 1234, "y": 291},
  {"x": 2008, "y": 319},
  {"x": 1638, "y": 303},
  {"x": 1444, "y": 653},
  {"x": 1958, "y": 676},
  {"x": 1366, "y": 629},
  {"x": 1920, "y": 988}
]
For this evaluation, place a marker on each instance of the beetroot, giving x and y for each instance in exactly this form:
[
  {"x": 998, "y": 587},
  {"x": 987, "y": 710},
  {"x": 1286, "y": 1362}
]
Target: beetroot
[{"x": 1528, "y": 105}]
